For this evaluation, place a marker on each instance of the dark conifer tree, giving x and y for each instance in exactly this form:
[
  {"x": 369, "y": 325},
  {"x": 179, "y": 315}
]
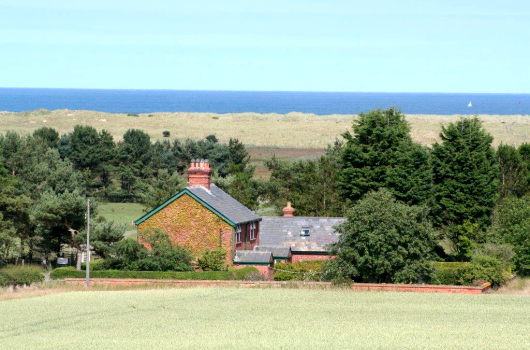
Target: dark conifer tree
[
  {"x": 380, "y": 153},
  {"x": 465, "y": 174}
]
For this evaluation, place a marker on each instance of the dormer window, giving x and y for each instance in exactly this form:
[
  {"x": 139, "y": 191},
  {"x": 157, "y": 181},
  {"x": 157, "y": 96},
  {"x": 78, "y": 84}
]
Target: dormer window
[
  {"x": 305, "y": 231},
  {"x": 252, "y": 231},
  {"x": 238, "y": 234}
]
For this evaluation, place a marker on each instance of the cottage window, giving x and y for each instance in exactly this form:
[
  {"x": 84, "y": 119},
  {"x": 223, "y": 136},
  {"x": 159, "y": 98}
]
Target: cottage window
[
  {"x": 305, "y": 232},
  {"x": 252, "y": 231},
  {"x": 238, "y": 234}
]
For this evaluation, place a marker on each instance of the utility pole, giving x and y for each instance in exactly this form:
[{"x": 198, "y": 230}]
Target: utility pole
[{"x": 87, "y": 242}]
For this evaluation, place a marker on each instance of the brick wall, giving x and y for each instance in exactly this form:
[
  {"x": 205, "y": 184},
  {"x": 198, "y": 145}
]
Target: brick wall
[
  {"x": 189, "y": 224},
  {"x": 247, "y": 243},
  {"x": 264, "y": 270},
  {"x": 304, "y": 257}
]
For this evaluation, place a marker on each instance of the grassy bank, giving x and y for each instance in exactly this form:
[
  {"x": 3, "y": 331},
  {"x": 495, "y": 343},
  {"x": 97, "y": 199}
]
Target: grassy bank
[
  {"x": 230, "y": 318},
  {"x": 123, "y": 213},
  {"x": 293, "y": 130}
]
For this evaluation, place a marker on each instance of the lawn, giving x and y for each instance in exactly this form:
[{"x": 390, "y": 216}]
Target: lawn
[
  {"x": 124, "y": 213},
  {"x": 238, "y": 318}
]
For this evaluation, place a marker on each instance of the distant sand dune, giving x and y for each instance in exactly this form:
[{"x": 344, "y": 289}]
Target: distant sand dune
[{"x": 292, "y": 130}]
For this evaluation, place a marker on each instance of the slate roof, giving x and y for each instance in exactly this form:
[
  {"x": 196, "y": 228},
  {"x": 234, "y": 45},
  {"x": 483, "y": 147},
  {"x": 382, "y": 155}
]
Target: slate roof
[
  {"x": 282, "y": 231},
  {"x": 250, "y": 256},
  {"x": 217, "y": 200},
  {"x": 225, "y": 204},
  {"x": 278, "y": 252}
]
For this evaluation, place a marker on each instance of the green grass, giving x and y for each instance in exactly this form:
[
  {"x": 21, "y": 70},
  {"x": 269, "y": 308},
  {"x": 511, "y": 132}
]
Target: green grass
[
  {"x": 124, "y": 213},
  {"x": 238, "y": 318}
]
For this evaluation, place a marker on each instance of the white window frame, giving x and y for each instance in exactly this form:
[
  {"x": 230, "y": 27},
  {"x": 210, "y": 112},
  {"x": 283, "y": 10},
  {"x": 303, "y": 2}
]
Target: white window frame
[
  {"x": 302, "y": 231},
  {"x": 238, "y": 234},
  {"x": 253, "y": 231}
]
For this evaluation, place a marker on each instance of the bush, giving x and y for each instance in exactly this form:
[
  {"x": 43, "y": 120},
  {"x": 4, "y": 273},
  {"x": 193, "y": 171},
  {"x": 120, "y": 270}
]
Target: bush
[
  {"x": 166, "y": 133},
  {"x": 132, "y": 115},
  {"x": 255, "y": 276},
  {"x": 481, "y": 269},
  {"x": 231, "y": 274},
  {"x": 310, "y": 270},
  {"x": 20, "y": 275},
  {"x": 383, "y": 240},
  {"x": 133, "y": 256},
  {"x": 99, "y": 264},
  {"x": 212, "y": 260},
  {"x": 451, "y": 273},
  {"x": 511, "y": 225}
]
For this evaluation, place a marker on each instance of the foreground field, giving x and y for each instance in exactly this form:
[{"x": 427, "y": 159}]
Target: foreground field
[
  {"x": 293, "y": 130},
  {"x": 230, "y": 318}
]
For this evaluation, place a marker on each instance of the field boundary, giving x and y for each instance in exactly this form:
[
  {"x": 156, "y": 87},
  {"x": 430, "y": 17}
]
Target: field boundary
[{"x": 421, "y": 288}]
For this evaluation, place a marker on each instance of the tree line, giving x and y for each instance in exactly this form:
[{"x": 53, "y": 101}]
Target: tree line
[
  {"x": 46, "y": 178},
  {"x": 468, "y": 192},
  {"x": 407, "y": 204}
]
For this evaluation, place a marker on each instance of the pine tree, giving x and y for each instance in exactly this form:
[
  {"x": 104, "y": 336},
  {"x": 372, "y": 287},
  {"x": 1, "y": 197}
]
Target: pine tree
[
  {"x": 465, "y": 174},
  {"x": 380, "y": 154},
  {"x": 513, "y": 179}
]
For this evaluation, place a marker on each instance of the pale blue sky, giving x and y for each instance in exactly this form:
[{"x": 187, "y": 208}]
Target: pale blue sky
[{"x": 381, "y": 46}]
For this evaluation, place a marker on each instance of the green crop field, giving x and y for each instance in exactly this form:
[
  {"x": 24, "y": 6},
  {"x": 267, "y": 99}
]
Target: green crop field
[{"x": 232, "y": 318}]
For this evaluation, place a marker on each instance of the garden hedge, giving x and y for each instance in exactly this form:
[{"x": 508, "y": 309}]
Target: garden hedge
[
  {"x": 470, "y": 273},
  {"x": 309, "y": 270},
  {"x": 232, "y": 274},
  {"x": 20, "y": 275}
]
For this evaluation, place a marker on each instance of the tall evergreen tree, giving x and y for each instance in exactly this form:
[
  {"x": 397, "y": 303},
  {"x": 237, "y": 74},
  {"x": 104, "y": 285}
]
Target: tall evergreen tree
[
  {"x": 380, "y": 153},
  {"x": 513, "y": 179},
  {"x": 49, "y": 136},
  {"x": 465, "y": 174}
]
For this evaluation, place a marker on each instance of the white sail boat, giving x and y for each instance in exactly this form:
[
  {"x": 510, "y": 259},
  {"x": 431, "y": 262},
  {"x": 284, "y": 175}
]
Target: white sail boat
[{"x": 470, "y": 105}]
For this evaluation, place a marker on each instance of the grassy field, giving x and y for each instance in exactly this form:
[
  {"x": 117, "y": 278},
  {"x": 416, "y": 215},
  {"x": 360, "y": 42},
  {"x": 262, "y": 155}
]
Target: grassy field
[
  {"x": 124, "y": 213},
  {"x": 232, "y": 318},
  {"x": 292, "y": 130}
]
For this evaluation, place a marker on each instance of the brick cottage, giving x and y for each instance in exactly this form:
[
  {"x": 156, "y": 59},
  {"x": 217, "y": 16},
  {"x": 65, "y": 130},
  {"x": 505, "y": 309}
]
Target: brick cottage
[{"x": 203, "y": 216}]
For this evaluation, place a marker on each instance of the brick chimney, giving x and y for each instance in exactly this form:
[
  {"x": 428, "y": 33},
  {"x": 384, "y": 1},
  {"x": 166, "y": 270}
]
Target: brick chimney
[
  {"x": 288, "y": 211},
  {"x": 199, "y": 173}
]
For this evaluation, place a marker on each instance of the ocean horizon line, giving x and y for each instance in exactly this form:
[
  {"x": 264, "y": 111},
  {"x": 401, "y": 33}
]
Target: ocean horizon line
[{"x": 261, "y": 91}]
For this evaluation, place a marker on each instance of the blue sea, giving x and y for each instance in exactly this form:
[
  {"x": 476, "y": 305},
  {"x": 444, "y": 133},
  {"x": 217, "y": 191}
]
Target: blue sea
[{"x": 149, "y": 101}]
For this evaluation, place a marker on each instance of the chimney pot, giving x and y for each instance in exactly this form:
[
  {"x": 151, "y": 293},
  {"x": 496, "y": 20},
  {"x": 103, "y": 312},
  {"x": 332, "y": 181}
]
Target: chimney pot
[
  {"x": 199, "y": 173},
  {"x": 288, "y": 211}
]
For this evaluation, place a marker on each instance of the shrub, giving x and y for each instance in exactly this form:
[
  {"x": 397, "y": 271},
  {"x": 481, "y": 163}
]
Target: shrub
[
  {"x": 212, "y": 260},
  {"x": 20, "y": 275},
  {"x": 231, "y": 274},
  {"x": 132, "y": 115},
  {"x": 299, "y": 271},
  {"x": 481, "y": 269},
  {"x": 383, "y": 240},
  {"x": 451, "y": 273},
  {"x": 511, "y": 225},
  {"x": 166, "y": 133},
  {"x": 99, "y": 264},
  {"x": 133, "y": 256}
]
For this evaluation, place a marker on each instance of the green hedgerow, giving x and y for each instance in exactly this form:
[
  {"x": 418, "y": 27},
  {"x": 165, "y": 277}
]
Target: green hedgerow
[{"x": 20, "y": 275}]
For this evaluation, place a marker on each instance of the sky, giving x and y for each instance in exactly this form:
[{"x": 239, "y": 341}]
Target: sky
[{"x": 360, "y": 46}]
